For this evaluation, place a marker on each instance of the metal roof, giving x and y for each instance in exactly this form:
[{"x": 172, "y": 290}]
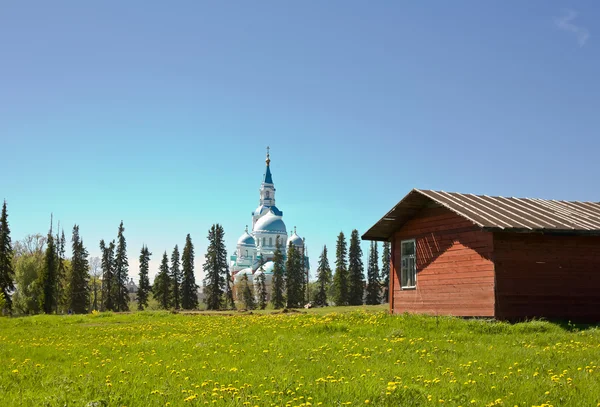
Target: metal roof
[{"x": 495, "y": 213}]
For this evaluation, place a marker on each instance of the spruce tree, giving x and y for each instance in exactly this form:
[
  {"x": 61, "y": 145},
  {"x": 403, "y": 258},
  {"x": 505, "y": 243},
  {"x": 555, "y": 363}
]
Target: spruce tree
[
  {"x": 340, "y": 278},
  {"x": 47, "y": 278},
  {"x": 278, "y": 282},
  {"x": 79, "y": 290},
  {"x": 161, "y": 289},
  {"x": 108, "y": 276},
  {"x": 7, "y": 271},
  {"x": 261, "y": 283},
  {"x": 294, "y": 278},
  {"x": 189, "y": 289},
  {"x": 176, "y": 278},
  {"x": 356, "y": 278},
  {"x": 323, "y": 273},
  {"x": 229, "y": 302},
  {"x": 247, "y": 294},
  {"x": 385, "y": 271},
  {"x": 62, "y": 280},
  {"x": 121, "y": 270},
  {"x": 215, "y": 268},
  {"x": 144, "y": 284},
  {"x": 373, "y": 283}
]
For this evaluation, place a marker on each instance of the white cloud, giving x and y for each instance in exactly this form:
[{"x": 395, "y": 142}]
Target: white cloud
[{"x": 566, "y": 23}]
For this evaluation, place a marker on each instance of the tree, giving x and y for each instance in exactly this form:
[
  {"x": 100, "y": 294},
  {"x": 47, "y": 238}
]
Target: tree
[
  {"x": 229, "y": 302},
  {"x": 247, "y": 294},
  {"x": 189, "y": 289},
  {"x": 161, "y": 289},
  {"x": 340, "y": 278},
  {"x": 61, "y": 272},
  {"x": 7, "y": 271},
  {"x": 48, "y": 280},
  {"x": 385, "y": 271},
  {"x": 294, "y": 277},
  {"x": 278, "y": 282},
  {"x": 144, "y": 284},
  {"x": 373, "y": 283},
  {"x": 356, "y": 278},
  {"x": 215, "y": 268},
  {"x": 121, "y": 270},
  {"x": 108, "y": 275},
  {"x": 28, "y": 268},
  {"x": 323, "y": 279},
  {"x": 261, "y": 283},
  {"x": 79, "y": 289},
  {"x": 176, "y": 277},
  {"x": 95, "y": 282}
]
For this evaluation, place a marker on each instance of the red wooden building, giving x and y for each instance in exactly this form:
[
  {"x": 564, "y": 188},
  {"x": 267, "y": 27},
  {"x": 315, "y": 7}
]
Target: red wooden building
[{"x": 508, "y": 258}]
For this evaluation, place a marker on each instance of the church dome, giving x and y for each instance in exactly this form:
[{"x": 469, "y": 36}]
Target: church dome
[
  {"x": 296, "y": 240},
  {"x": 246, "y": 240},
  {"x": 267, "y": 268},
  {"x": 238, "y": 277},
  {"x": 270, "y": 223}
]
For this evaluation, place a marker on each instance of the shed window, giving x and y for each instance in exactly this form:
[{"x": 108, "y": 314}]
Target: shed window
[{"x": 408, "y": 272}]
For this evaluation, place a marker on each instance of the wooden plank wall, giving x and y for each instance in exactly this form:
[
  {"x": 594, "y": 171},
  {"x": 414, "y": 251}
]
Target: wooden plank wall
[
  {"x": 455, "y": 273},
  {"x": 547, "y": 276}
]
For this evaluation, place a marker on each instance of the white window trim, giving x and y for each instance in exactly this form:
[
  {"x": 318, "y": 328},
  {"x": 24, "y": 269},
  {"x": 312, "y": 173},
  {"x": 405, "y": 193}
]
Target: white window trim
[{"x": 414, "y": 242}]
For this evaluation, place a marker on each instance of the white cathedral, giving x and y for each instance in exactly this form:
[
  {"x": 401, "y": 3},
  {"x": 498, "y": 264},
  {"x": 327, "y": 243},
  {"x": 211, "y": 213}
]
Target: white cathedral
[{"x": 257, "y": 247}]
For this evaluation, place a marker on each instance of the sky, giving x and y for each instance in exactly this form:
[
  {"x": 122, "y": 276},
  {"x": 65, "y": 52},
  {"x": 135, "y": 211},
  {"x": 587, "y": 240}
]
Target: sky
[{"x": 159, "y": 113}]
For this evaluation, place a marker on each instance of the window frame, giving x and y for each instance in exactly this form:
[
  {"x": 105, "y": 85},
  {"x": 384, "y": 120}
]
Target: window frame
[{"x": 414, "y": 256}]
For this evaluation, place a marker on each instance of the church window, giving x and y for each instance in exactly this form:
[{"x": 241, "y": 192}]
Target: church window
[
  {"x": 246, "y": 253},
  {"x": 264, "y": 241},
  {"x": 267, "y": 195},
  {"x": 270, "y": 241}
]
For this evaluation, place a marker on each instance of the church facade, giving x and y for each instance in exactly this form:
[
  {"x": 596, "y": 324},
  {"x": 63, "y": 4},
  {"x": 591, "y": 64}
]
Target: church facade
[{"x": 256, "y": 247}]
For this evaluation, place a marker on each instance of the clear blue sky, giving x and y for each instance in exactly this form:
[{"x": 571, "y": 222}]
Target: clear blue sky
[{"x": 158, "y": 113}]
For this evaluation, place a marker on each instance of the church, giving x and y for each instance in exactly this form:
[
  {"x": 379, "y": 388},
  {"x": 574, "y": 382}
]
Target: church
[{"x": 256, "y": 247}]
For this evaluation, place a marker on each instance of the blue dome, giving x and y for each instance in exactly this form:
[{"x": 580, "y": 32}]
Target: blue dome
[
  {"x": 246, "y": 240},
  {"x": 296, "y": 240},
  {"x": 270, "y": 223}
]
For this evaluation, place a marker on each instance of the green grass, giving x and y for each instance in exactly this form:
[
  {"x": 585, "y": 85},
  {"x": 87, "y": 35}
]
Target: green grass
[{"x": 329, "y": 357}]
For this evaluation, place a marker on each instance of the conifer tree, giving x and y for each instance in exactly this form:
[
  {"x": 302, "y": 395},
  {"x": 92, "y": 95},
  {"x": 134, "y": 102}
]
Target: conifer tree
[
  {"x": 189, "y": 289},
  {"x": 7, "y": 271},
  {"x": 356, "y": 278},
  {"x": 278, "y": 282},
  {"x": 79, "y": 289},
  {"x": 323, "y": 273},
  {"x": 121, "y": 270},
  {"x": 294, "y": 277},
  {"x": 161, "y": 289},
  {"x": 261, "y": 283},
  {"x": 373, "y": 283},
  {"x": 340, "y": 278},
  {"x": 47, "y": 278},
  {"x": 176, "y": 277},
  {"x": 385, "y": 271},
  {"x": 247, "y": 294},
  {"x": 108, "y": 275},
  {"x": 229, "y": 302},
  {"x": 215, "y": 268},
  {"x": 62, "y": 282},
  {"x": 144, "y": 284}
]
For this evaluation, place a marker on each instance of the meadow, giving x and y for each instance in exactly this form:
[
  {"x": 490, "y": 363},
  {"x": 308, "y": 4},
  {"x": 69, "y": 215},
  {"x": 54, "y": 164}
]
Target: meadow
[{"x": 325, "y": 357}]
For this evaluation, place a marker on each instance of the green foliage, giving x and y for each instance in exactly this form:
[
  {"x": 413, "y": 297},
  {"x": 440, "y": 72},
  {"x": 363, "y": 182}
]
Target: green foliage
[
  {"x": 323, "y": 279},
  {"x": 2, "y": 303},
  {"x": 62, "y": 283},
  {"x": 189, "y": 289},
  {"x": 161, "y": 289},
  {"x": 28, "y": 268},
  {"x": 261, "y": 284},
  {"x": 278, "y": 282},
  {"x": 176, "y": 278},
  {"x": 389, "y": 360},
  {"x": 79, "y": 289},
  {"x": 373, "y": 283},
  {"x": 48, "y": 278},
  {"x": 121, "y": 272},
  {"x": 340, "y": 278},
  {"x": 356, "y": 278},
  {"x": 294, "y": 278},
  {"x": 144, "y": 283},
  {"x": 215, "y": 268},
  {"x": 247, "y": 294},
  {"x": 7, "y": 271},
  {"x": 385, "y": 271},
  {"x": 108, "y": 276}
]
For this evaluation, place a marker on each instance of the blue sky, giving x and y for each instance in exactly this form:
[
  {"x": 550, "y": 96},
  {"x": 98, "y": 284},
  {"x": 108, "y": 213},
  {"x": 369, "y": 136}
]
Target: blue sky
[{"x": 158, "y": 113}]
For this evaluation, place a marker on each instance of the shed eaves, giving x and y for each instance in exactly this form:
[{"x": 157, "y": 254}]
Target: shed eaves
[{"x": 496, "y": 213}]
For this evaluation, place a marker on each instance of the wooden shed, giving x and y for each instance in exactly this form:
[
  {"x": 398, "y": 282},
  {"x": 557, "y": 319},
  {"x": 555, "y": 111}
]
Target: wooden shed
[{"x": 508, "y": 258}]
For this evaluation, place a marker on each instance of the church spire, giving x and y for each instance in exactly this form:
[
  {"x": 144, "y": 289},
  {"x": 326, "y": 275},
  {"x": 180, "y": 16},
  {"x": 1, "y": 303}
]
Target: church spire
[{"x": 268, "y": 178}]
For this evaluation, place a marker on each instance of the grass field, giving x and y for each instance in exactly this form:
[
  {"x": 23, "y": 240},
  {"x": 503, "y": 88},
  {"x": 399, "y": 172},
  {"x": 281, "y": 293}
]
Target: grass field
[{"x": 326, "y": 357}]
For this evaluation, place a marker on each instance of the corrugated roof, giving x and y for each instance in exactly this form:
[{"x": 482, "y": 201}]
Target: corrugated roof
[{"x": 496, "y": 213}]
